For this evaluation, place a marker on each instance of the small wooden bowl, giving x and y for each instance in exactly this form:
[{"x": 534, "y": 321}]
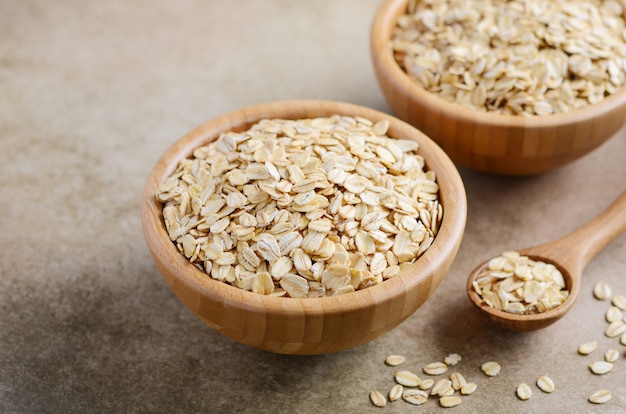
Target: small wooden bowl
[
  {"x": 310, "y": 325},
  {"x": 490, "y": 143}
]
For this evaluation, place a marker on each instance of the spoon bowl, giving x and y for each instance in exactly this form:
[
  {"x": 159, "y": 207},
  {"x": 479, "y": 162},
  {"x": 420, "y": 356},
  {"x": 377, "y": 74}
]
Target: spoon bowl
[
  {"x": 570, "y": 254},
  {"x": 521, "y": 323}
]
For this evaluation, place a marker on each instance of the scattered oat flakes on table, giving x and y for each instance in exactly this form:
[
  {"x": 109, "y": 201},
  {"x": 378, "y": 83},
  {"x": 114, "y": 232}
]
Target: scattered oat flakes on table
[
  {"x": 415, "y": 397},
  {"x": 378, "y": 399},
  {"x": 442, "y": 388},
  {"x": 545, "y": 384},
  {"x": 491, "y": 368},
  {"x": 452, "y": 359},
  {"x": 523, "y": 391},
  {"x": 615, "y": 329},
  {"x": 619, "y": 301},
  {"x": 587, "y": 347},
  {"x": 601, "y": 367},
  {"x": 600, "y": 397},
  {"x": 469, "y": 388},
  {"x": 394, "y": 360},
  {"x": 613, "y": 314},
  {"x": 435, "y": 368},
  {"x": 426, "y": 384},
  {"x": 449, "y": 401},
  {"x": 407, "y": 378},
  {"x": 458, "y": 380},
  {"x": 611, "y": 355},
  {"x": 602, "y": 291},
  {"x": 396, "y": 392}
]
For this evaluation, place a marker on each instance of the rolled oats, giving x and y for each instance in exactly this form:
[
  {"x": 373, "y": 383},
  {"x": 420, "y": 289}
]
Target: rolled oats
[
  {"x": 378, "y": 399},
  {"x": 394, "y": 360},
  {"x": 611, "y": 355},
  {"x": 396, "y": 392},
  {"x": 619, "y": 301},
  {"x": 295, "y": 286},
  {"x": 545, "y": 384},
  {"x": 523, "y": 391},
  {"x": 426, "y": 384},
  {"x": 602, "y": 291},
  {"x": 601, "y": 367},
  {"x": 452, "y": 359},
  {"x": 587, "y": 347},
  {"x": 458, "y": 380},
  {"x": 323, "y": 206},
  {"x": 613, "y": 314},
  {"x": 469, "y": 388},
  {"x": 442, "y": 388},
  {"x": 600, "y": 397},
  {"x": 281, "y": 267},
  {"x": 435, "y": 368},
  {"x": 449, "y": 401},
  {"x": 491, "y": 368},
  {"x": 415, "y": 397},
  {"x": 262, "y": 283},
  {"x": 471, "y": 53},
  {"x": 407, "y": 378},
  {"x": 516, "y": 284},
  {"x": 615, "y": 329}
]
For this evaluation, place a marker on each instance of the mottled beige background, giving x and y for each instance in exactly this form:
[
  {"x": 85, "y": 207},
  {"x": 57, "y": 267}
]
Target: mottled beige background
[{"x": 92, "y": 92}]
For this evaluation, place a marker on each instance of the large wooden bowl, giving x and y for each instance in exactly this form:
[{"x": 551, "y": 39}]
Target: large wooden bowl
[
  {"x": 491, "y": 143},
  {"x": 310, "y": 325}
]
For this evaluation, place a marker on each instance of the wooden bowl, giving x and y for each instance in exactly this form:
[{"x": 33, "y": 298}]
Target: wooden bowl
[
  {"x": 310, "y": 325},
  {"x": 487, "y": 142}
]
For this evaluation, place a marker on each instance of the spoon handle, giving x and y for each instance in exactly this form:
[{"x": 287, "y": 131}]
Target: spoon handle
[{"x": 578, "y": 248}]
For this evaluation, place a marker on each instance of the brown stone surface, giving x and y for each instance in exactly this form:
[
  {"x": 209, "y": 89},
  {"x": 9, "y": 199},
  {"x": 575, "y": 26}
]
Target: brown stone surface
[{"x": 93, "y": 92}]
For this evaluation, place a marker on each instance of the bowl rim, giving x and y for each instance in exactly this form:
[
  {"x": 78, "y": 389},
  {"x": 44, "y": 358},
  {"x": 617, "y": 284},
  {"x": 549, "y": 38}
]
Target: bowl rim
[
  {"x": 385, "y": 20},
  {"x": 452, "y": 194}
]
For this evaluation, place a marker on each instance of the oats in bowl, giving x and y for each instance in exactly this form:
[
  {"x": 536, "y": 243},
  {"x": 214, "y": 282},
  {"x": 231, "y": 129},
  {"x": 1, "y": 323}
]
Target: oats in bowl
[
  {"x": 530, "y": 57},
  {"x": 303, "y": 208},
  {"x": 505, "y": 87}
]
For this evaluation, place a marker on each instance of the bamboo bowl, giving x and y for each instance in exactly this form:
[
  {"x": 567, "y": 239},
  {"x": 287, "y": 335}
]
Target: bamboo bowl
[
  {"x": 489, "y": 143},
  {"x": 310, "y": 325}
]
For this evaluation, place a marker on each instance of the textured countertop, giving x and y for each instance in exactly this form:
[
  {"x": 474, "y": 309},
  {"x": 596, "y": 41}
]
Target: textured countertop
[{"x": 93, "y": 92}]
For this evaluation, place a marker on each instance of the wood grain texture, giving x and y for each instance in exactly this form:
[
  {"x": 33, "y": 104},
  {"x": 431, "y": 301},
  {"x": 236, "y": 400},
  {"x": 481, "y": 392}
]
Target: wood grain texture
[
  {"x": 311, "y": 325},
  {"x": 490, "y": 143},
  {"x": 570, "y": 254}
]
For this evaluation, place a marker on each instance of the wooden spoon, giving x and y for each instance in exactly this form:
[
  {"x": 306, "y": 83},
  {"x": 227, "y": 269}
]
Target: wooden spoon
[{"x": 570, "y": 254}]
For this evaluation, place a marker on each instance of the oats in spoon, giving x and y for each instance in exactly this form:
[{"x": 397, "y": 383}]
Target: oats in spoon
[{"x": 517, "y": 284}]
